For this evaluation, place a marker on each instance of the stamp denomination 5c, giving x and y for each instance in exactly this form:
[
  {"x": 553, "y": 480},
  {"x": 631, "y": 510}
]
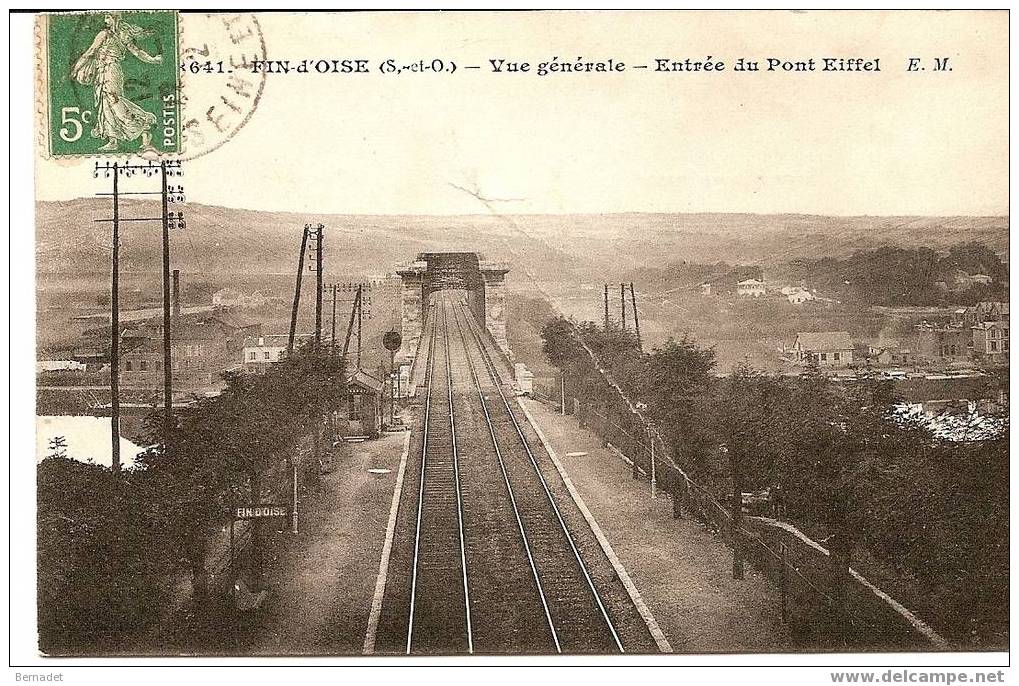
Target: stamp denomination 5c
[{"x": 112, "y": 83}]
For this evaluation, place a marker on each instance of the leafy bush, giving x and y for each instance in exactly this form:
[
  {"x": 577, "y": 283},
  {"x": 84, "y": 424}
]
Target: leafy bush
[
  {"x": 101, "y": 562},
  {"x": 110, "y": 544},
  {"x": 850, "y": 474}
]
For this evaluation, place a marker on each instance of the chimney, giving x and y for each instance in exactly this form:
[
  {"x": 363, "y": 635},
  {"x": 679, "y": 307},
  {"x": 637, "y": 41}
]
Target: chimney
[{"x": 176, "y": 293}]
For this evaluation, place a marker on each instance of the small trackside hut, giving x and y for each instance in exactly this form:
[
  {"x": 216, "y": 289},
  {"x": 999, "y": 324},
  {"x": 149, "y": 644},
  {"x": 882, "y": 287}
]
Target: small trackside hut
[{"x": 364, "y": 405}]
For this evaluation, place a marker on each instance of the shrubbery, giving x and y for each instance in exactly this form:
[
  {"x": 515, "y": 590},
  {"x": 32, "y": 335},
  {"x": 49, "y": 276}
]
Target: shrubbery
[
  {"x": 849, "y": 474},
  {"x": 110, "y": 544}
]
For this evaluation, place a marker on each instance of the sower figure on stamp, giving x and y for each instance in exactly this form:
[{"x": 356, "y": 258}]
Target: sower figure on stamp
[{"x": 117, "y": 118}]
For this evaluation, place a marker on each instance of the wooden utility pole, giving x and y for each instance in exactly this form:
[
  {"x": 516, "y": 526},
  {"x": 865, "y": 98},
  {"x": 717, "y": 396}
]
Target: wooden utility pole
[
  {"x": 293, "y": 462},
  {"x": 317, "y": 430},
  {"x": 392, "y": 386},
  {"x": 168, "y": 220},
  {"x": 255, "y": 495},
  {"x": 654, "y": 473},
  {"x": 737, "y": 515},
  {"x": 318, "y": 285},
  {"x": 606, "y": 307},
  {"x": 636, "y": 320},
  {"x": 297, "y": 292},
  {"x": 167, "y": 357},
  {"x": 622, "y": 304},
  {"x": 350, "y": 329},
  {"x": 360, "y": 300},
  {"x": 332, "y": 334},
  {"x": 115, "y": 329}
]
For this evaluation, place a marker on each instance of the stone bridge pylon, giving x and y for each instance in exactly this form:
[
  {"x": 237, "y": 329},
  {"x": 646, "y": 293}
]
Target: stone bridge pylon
[{"x": 483, "y": 281}]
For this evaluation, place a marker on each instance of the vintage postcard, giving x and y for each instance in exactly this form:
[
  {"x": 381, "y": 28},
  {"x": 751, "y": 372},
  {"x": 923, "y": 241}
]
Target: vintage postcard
[{"x": 550, "y": 333}]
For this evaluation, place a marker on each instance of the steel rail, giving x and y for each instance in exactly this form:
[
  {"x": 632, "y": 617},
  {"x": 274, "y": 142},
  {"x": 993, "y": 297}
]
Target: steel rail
[
  {"x": 456, "y": 479},
  {"x": 509, "y": 488},
  {"x": 430, "y": 375},
  {"x": 429, "y": 367},
  {"x": 493, "y": 372}
]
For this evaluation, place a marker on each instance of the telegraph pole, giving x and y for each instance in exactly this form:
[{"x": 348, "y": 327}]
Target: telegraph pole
[
  {"x": 654, "y": 476},
  {"x": 350, "y": 329},
  {"x": 295, "y": 481},
  {"x": 392, "y": 387},
  {"x": 115, "y": 329},
  {"x": 332, "y": 335},
  {"x": 636, "y": 320},
  {"x": 622, "y": 304},
  {"x": 606, "y": 307},
  {"x": 360, "y": 299},
  {"x": 167, "y": 358},
  {"x": 297, "y": 292},
  {"x": 169, "y": 220},
  {"x": 737, "y": 514},
  {"x": 318, "y": 284}
]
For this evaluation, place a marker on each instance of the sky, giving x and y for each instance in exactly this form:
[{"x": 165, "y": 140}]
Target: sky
[{"x": 888, "y": 143}]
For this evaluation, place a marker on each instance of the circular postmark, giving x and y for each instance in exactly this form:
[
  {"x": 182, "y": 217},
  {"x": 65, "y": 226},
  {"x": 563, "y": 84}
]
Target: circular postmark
[{"x": 219, "y": 90}]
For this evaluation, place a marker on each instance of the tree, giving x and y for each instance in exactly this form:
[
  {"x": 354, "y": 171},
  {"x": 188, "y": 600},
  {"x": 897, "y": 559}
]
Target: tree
[
  {"x": 750, "y": 418},
  {"x": 57, "y": 447},
  {"x": 676, "y": 378},
  {"x": 222, "y": 446},
  {"x": 101, "y": 565},
  {"x": 973, "y": 258},
  {"x": 560, "y": 344}
]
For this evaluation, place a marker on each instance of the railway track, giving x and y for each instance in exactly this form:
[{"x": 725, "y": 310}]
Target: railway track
[
  {"x": 440, "y": 608},
  {"x": 495, "y": 566}
]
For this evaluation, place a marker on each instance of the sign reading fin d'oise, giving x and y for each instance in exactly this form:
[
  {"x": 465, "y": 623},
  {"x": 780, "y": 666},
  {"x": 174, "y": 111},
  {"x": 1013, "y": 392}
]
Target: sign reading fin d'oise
[
  {"x": 261, "y": 511},
  {"x": 112, "y": 83}
]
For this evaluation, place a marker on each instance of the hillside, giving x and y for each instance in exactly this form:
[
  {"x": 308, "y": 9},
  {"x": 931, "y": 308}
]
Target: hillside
[{"x": 552, "y": 247}]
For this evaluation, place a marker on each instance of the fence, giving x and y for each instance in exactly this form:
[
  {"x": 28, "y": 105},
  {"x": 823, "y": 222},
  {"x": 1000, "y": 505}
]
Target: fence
[
  {"x": 549, "y": 391},
  {"x": 825, "y": 606}
]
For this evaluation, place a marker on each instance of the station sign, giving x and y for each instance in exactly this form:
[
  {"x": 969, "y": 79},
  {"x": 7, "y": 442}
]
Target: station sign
[{"x": 261, "y": 511}]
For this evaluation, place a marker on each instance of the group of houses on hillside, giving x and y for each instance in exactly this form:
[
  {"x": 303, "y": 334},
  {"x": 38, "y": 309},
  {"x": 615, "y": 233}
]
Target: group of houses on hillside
[
  {"x": 228, "y": 297},
  {"x": 754, "y": 288},
  {"x": 961, "y": 280},
  {"x": 202, "y": 347},
  {"x": 205, "y": 342},
  {"x": 978, "y": 334}
]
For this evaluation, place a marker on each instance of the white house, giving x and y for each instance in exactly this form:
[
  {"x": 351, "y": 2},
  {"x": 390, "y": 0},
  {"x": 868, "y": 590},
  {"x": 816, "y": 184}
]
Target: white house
[
  {"x": 227, "y": 297},
  {"x": 824, "y": 348},
  {"x": 797, "y": 295},
  {"x": 58, "y": 366},
  {"x": 260, "y": 351},
  {"x": 750, "y": 288}
]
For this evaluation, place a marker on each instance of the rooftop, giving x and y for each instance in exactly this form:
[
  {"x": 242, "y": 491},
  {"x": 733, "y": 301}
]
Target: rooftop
[
  {"x": 365, "y": 380},
  {"x": 272, "y": 340},
  {"x": 825, "y": 340}
]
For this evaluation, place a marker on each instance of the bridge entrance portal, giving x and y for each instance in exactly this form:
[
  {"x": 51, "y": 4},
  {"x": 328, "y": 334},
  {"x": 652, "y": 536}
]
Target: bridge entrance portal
[{"x": 484, "y": 283}]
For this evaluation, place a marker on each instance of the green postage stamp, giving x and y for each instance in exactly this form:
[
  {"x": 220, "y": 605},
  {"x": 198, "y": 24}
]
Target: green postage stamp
[{"x": 112, "y": 83}]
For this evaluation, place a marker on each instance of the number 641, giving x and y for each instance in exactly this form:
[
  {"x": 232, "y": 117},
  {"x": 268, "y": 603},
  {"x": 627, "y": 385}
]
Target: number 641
[{"x": 71, "y": 120}]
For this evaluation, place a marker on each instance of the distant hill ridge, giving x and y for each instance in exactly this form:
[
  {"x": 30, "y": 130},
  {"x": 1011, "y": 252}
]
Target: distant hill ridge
[{"x": 580, "y": 246}]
